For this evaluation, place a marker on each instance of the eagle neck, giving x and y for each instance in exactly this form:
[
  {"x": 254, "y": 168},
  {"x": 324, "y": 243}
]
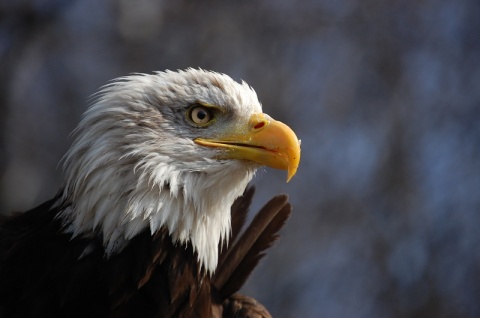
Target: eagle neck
[{"x": 193, "y": 206}]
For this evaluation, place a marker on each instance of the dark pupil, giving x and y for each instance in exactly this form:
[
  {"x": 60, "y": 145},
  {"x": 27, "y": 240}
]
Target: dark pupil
[{"x": 201, "y": 114}]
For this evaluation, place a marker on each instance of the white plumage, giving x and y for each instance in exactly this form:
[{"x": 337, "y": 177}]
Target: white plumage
[{"x": 135, "y": 164}]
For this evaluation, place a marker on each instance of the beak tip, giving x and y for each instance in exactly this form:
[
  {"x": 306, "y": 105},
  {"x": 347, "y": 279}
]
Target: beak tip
[{"x": 291, "y": 172}]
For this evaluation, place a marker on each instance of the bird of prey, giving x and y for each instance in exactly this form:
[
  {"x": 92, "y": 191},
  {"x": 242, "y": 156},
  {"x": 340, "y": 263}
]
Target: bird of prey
[{"x": 148, "y": 221}]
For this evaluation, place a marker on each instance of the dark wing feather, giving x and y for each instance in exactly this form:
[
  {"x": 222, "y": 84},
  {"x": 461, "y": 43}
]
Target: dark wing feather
[
  {"x": 240, "y": 306},
  {"x": 239, "y": 212},
  {"x": 245, "y": 254}
]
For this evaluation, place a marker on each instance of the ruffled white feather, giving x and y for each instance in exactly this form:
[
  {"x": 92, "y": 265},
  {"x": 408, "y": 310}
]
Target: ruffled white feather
[{"x": 134, "y": 164}]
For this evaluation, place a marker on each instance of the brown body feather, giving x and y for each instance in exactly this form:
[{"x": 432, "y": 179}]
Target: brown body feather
[{"x": 44, "y": 272}]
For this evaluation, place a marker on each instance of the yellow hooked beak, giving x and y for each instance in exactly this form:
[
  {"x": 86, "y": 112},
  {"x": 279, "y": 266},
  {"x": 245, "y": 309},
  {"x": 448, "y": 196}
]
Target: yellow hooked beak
[{"x": 264, "y": 140}]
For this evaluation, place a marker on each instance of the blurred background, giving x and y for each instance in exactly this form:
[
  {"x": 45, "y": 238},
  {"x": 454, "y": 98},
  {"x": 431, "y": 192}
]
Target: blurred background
[{"x": 385, "y": 96}]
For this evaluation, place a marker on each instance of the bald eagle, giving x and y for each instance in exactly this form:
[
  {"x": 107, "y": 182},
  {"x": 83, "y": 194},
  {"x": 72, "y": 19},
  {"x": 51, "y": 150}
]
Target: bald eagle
[{"x": 148, "y": 220}]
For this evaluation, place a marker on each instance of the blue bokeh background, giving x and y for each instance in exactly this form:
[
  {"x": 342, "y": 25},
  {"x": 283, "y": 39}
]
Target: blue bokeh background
[{"x": 385, "y": 96}]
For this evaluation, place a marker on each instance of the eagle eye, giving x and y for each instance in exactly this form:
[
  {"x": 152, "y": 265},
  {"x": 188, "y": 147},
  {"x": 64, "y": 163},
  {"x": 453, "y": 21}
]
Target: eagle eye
[{"x": 200, "y": 115}]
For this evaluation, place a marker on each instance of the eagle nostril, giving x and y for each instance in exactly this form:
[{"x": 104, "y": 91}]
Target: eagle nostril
[{"x": 259, "y": 125}]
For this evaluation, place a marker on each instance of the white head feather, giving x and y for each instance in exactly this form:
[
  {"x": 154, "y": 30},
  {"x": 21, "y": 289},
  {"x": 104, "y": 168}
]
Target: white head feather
[{"x": 134, "y": 164}]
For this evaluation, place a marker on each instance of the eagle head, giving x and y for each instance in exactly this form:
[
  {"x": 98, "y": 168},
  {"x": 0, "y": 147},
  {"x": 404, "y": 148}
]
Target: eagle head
[{"x": 169, "y": 150}]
